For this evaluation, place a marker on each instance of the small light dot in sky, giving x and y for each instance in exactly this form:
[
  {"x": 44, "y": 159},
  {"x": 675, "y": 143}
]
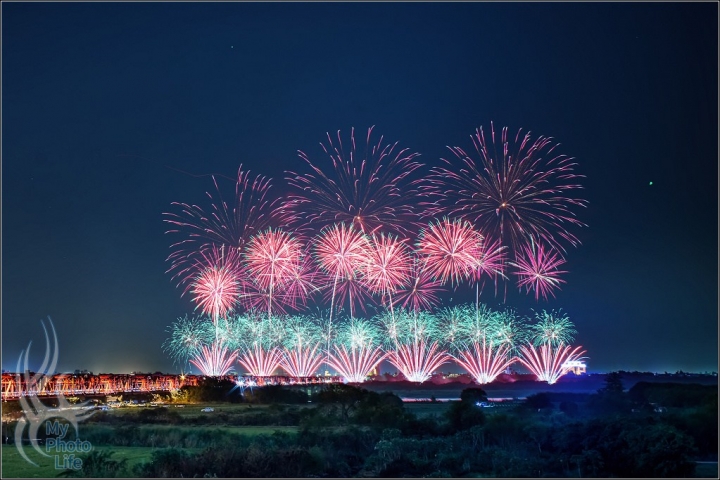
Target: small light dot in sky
[
  {"x": 232, "y": 46},
  {"x": 650, "y": 183}
]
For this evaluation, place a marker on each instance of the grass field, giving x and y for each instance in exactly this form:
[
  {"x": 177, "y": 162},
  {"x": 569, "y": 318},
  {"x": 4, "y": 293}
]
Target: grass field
[{"x": 14, "y": 466}]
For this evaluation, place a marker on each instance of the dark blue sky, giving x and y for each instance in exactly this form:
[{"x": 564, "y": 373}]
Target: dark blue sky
[{"x": 99, "y": 97}]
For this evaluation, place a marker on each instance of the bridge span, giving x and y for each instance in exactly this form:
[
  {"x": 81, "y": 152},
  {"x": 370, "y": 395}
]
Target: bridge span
[{"x": 16, "y": 385}]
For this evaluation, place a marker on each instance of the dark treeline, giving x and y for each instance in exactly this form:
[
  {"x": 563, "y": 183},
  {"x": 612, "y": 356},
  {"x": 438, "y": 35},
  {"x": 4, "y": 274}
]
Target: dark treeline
[{"x": 652, "y": 430}]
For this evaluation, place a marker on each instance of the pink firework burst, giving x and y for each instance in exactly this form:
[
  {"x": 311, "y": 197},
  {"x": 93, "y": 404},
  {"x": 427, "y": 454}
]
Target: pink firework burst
[
  {"x": 217, "y": 287},
  {"x": 484, "y": 361},
  {"x": 418, "y": 360},
  {"x": 519, "y": 187},
  {"x": 369, "y": 189},
  {"x": 259, "y": 361},
  {"x": 339, "y": 251},
  {"x": 450, "y": 249},
  {"x": 224, "y": 225},
  {"x": 387, "y": 265},
  {"x": 355, "y": 364},
  {"x": 215, "y": 361},
  {"x": 421, "y": 290},
  {"x": 538, "y": 270},
  {"x": 549, "y": 363}
]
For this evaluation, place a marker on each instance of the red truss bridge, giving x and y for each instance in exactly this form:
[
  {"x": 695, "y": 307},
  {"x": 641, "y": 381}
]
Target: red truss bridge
[{"x": 16, "y": 385}]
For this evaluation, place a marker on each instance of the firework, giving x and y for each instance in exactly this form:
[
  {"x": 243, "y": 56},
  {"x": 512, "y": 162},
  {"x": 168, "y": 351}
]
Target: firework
[
  {"x": 357, "y": 354},
  {"x": 214, "y": 361},
  {"x": 339, "y": 251},
  {"x": 356, "y": 364},
  {"x": 418, "y": 360},
  {"x": 301, "y": 282},
  {"x": 260, "y": 361},
  {"x": 420, "y": 292},
  {"x": 506, "y": 328},
  {"x": 386, "y": 266},
  {"x": 517, "y": 188},
  {"x": 450, "y": 249},
  {"x": 484, "y": 361},
  {"x": 251, "y": 212},
  {"x": 370, "y": 190},
  {"x": 187, "y": 336},
  {"x": 548, "y": 363},
  {"x": 552, "y": 328},
  {"x": 258, "y": 340},
  {"x": 538, "y": 270},
  {"x": 490, "y": 260},
  {"x": 272, "y": 261},
  {"x": 410, "y": 339},
  {"x": 301, "y": 357},
  {"x": 216, "y": 287}
]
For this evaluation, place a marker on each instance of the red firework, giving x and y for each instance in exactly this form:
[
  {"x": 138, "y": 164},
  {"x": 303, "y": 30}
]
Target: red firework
[
  {"x": 387, "y": 265},
  {"x": 517, "y": 188},
  {"x": 370, "y": 190},
  {"x": 420, "y": 292},
  {"x": 226, "y": 226},
  {"x": 549, "y": 363},
  {"x": 538, "y": 270},
  {"x": 450, "y": 249}
]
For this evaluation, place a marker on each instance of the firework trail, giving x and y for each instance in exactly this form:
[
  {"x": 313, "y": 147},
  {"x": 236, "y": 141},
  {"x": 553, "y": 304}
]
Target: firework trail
[
  {"x": 370, "y": 190},
  {"x": 517, "y": 188},
  {"x": 450, "y": 249},
  {"x": 215, "y": 361},
  {"x": 552, "y": 328},
  {"x": 216, "y": 287},
  {"x": 231, "y": 227},
  {"x": 420, "y": 292},
  {"x": 548, "y": 363},
  {"x": 538, "y": 270},
  {"x": 357, "y": 354}
]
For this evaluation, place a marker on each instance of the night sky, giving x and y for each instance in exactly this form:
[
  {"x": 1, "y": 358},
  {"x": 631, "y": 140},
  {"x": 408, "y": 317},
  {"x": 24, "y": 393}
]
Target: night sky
[{"x": 103, "y": 103}]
